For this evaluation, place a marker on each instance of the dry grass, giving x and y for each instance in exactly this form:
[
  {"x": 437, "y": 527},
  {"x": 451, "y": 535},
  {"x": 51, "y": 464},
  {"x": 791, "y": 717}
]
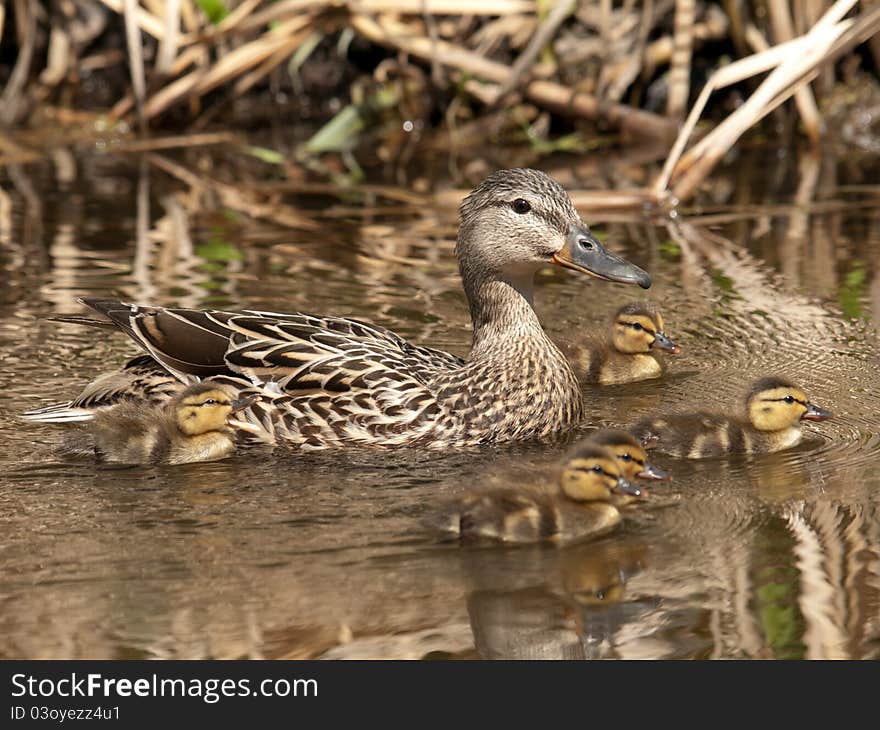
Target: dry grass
[{"x": 594, "y": 60}]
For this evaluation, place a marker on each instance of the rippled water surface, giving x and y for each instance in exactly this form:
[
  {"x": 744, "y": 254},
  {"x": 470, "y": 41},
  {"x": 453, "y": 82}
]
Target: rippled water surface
[{"x": 323, "y": 555}]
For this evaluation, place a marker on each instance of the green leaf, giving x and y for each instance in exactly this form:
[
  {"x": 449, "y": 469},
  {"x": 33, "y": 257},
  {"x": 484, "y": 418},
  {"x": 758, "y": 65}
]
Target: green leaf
[
  {"x": 341, "y": 133},
  {"x": 218, "y": 249},
  {"x": 270, "y": 157},
  {"x": 216, "y": 10}
]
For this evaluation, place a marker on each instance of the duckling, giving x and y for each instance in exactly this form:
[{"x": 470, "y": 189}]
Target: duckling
[
  {"x": 630, "y": 354},
  {"x": 774, "y": 409},
  {"x": 630, "y": 454},
  {"x": 579, "y": 507},
  {"x": 191, "y": 427}
]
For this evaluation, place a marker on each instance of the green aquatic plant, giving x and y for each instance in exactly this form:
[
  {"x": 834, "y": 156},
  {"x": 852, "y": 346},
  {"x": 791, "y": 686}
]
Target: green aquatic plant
[
  {"x": 216, "y": 10},
  {"x": 852, "y": 291}
]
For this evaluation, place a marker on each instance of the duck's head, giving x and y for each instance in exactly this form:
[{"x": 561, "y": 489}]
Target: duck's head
[
  {"x": 517, "y": 221},
  {"x": 205, "y": 407},
  {"x": 630, "y": 454},
  {"x": 591, "y": 473},
  {"x": 638, "y": 327},
  {"x": 774, "y": 404}
]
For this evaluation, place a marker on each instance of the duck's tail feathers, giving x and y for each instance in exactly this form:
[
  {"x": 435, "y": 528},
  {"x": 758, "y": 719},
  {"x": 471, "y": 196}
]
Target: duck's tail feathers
[
  {"x": 59, "y": 413},
  {"x": 87, "y": 321}
]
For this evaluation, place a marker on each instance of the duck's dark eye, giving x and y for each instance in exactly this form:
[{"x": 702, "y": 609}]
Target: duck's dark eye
[
  {"x": 637, "y": 327},
  {"x": 626, "y": 457},
  {"x": 597, "y": 469},
  {"x": 521, "y": 206},
  {"x": 209, "y": 402},
  {"x": 789, "y": 399}
]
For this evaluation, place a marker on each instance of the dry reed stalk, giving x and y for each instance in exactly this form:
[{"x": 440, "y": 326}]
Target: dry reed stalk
[
  {"x": 280, "y": 56},
  {"x": 278, "y": 10},
  {"x": 135, "y": 61},
  {"x": 2, "y": 20},
  {"x": 189, "y": 16},
  {"x": 238, "y": 61},
  {"x": 783, "y": 30},
  {"x": 250, "y": 54},
  {"x": 680, "y": 63},
  {"x": 549, "y": 94},
  {"x": 26, "y": 26},
  {"x": 448, "y": 7},
  {"x": 284, "y": 8},
  {"x": 793, "y": 61},
  {"x": 176, "y": 141},
  {"x": 168, "y": 45},
  {"x": 231, "y": 21},
  {"x": 545, "y": 33},
  {"x": 147, "y": 22},
  {"x": 714, "y": 27},
  {"x": 57, "y": 57}
]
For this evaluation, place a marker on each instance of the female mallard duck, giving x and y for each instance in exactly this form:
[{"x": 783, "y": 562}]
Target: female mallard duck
[
  {"x": 630, "y": 353},
  {"x": 774, "y": 410},
  {"x": 192, "y": 426},
  {"x": 338, "y": 382},
  {"x": 583, "y": 505}
]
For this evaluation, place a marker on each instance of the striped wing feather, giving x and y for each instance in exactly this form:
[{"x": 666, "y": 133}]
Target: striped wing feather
[{"x": 337, "y": 380}]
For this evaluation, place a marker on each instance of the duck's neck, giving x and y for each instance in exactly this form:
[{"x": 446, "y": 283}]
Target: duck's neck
[{"x": 502, "y": 311}]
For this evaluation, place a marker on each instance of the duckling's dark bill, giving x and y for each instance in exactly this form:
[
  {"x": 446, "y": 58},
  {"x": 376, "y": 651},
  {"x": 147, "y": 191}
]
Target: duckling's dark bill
[
  {"x": 625, "y": 487},
  {"x": 662, "y": 342},
  {"x": 814, "y": 413},
  {"x": 583, "y": 253}
]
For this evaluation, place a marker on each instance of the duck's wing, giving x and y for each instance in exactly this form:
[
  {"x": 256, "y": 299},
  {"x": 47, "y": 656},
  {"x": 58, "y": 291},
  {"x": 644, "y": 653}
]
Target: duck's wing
[
  {"x": 200, "y": 342},
  {"x": 141, "y": 380},
  {"x": 329, "y": 380}
]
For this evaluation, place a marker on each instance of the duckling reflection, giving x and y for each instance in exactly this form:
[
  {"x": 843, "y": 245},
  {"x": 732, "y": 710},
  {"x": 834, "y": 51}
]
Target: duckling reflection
[
  {"x": 192, "y": 427},
  {"x": 571, "y": 610},
  {"x": 631, "y": 352},
  {"x": 775, "y": 408},
  {"x": 581, "y": 506}
]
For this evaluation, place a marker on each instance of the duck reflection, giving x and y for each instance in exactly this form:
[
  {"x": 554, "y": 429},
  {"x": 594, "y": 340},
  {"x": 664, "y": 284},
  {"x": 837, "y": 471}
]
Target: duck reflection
[{"x": 551, "y": 604}]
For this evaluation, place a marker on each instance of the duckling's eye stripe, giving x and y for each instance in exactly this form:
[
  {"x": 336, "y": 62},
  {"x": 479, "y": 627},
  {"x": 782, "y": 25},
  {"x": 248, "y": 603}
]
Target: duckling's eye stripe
[
  {"x": 639, "y": 325},
  {"x": 781, "y": 400}
]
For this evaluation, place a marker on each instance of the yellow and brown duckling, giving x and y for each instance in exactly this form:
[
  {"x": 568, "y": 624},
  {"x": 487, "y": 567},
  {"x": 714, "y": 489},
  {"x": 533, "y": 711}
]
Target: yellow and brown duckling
[
  {"x": 582, "y": 505},
  {"x": 631, "y": 351},
  {"x": 775, "y": 408},
  {"x": 632, "y": 458},
  {"x": 192, "y": 426}
]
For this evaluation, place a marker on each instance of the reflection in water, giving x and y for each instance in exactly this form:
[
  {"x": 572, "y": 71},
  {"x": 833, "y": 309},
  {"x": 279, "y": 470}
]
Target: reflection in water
[{"x": 290, "y": 555}]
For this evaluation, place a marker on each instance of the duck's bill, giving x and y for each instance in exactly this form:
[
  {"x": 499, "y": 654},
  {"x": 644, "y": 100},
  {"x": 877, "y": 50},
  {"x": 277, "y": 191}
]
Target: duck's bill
[
  {"x": 583, "y": 253},
  {"x": 662, "y": 342},
  {"x": 654, "y": 472},
  {"x": 629, "y": 489},
  {"x": 814, "y": 413}
]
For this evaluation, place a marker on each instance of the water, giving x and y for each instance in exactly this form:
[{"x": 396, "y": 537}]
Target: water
[{"x": 323, "y": 555}]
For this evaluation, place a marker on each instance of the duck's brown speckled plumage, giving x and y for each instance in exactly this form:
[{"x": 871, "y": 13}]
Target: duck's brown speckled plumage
[{"x": 328, "y": 381}]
